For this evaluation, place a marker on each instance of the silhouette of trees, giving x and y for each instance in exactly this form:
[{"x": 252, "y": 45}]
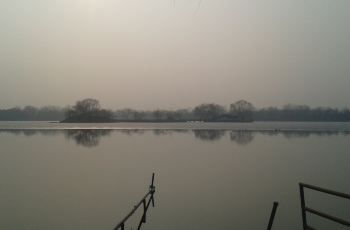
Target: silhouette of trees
[
  {"x": 159, "y": 115},
  {"x": 208, "y": 112},
  {"x": 30, "y": 113},
  {"x": 243, "y": 110},
  {"x": 183, "y": 114},
  {"x": 129, "y": 114},
  {"x": 88, "y": 105},
  {"x": 242, "y": 137},
  {"x": 209, "y": 135},
  {"x": 88, "y": 110},
  {"x": 156, "y": 115},
  {"x": 87, "y": 137},
  {"x": 50, "y": 113},
  {"x": 291, "y": 112}
]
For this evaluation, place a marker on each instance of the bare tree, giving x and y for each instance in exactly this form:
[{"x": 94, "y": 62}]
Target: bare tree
[
  {"x": 88, "y": 110},
  {"x": 87, "y": 105},
  {"x": 208, "y": 112},
  {"x": 243, "y": 110}
]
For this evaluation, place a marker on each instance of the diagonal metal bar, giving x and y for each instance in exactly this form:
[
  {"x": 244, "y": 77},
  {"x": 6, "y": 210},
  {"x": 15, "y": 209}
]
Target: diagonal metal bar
[
  {"x": 272, "y": 217},
  {"x": 327, "y": 216},
  {"x": 149, "y": 194},
  {"x": 324, "y": 190}
]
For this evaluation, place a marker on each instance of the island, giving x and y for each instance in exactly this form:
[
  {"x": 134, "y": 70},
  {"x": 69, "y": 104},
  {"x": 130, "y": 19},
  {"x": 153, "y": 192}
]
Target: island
[{"x": 89, "y": 111}]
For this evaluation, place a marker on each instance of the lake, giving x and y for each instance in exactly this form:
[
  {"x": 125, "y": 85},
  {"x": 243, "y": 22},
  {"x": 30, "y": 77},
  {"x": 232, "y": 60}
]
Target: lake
[{"x": 208, "y": 175}]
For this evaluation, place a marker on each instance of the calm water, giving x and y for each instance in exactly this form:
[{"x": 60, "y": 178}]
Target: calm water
[{"x": 208, "y": 176}]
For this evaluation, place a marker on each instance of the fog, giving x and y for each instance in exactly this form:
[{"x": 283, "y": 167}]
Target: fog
[{"x": 169, "y": 54}]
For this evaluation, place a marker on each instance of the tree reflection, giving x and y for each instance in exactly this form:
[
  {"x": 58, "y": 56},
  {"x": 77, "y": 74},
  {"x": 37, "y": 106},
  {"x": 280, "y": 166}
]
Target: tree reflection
[
  {"x": 131, "y": 132},
  {"x": 29, "y": 132},
  {"x": 297, "y": 134},
  {"x": 209, "y": 135},
  {"x": 242, "y": 137},
  {"x": 271, "y": 133},
  {"x": 304, "y": 133},
  {"x": 87, "y": 137},
  {"x": 91, "y": 137},
  {"x": 159, "y": 132}
]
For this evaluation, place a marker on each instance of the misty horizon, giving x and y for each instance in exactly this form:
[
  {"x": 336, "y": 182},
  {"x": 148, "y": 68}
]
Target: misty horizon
[
  {"x": 155, "y": 54},
  {"x": 177, "y": 108}
]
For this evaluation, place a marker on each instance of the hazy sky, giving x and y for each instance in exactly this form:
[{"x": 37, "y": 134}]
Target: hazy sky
[{"x": 166, "y": 54}]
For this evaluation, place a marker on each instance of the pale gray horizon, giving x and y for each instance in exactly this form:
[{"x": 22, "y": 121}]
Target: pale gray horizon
[{"x": 160, "y": 54}]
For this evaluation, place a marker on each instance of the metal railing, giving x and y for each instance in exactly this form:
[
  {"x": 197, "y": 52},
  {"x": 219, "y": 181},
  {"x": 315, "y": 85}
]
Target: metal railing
[
  {"x": 272, "y": 216},
  {"x": 305, "y": 208},
  {"x": 146, "y": 204}
]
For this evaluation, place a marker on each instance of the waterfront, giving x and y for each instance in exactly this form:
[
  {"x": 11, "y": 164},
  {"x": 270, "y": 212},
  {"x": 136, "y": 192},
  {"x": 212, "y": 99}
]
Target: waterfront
[{"x": 213, "y": 176}]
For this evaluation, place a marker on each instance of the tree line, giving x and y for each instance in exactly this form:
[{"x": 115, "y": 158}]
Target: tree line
[
  {"x": 89, "y": 110},
  {"x": 31, "y": 113},
  {"x": 302, "y": 113}
]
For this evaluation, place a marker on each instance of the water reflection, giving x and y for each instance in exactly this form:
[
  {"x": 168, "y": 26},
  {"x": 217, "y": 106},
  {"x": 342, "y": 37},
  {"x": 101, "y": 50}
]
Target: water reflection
[
  {"x": 242, "y": 137},
  {"x": 209, "y": 135},
  {"x": 87, "y": 137},
  {"x": 91, "y": 137},
  {"x": 160, "y": 132},
  {"x": 131, "y": 132}
]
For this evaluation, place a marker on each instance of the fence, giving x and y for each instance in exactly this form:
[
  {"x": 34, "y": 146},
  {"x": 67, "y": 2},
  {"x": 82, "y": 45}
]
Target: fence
[
  {"x": 305, "y": 208},
  {"x": 150, "y": 196},
  {"x": 146, "y": 204}
]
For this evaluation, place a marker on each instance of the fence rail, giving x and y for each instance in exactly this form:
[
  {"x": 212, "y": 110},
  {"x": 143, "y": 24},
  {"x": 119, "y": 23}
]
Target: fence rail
[
  {"x": 305, "y": 209},
  {"x": 148, "y": 199},
  {"x": 146, "y": 204}
]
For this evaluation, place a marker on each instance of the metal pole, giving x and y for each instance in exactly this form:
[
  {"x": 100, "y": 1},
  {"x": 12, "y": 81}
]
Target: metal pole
[
  {"x": 152, "y": 179},
  {"x": 144, "y": 214},
  {"x": 150, "y": 193},
  {"x": 144, "y": 211},
  {"x": 272, "y": 217},
  {"x": 152, "y": 190},
  {"x": 302, "y": 201}
]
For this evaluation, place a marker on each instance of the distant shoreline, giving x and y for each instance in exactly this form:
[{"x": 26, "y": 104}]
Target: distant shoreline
[
  {"x": 154, "y": 121},
  {"x": 189, "y": 121}
]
